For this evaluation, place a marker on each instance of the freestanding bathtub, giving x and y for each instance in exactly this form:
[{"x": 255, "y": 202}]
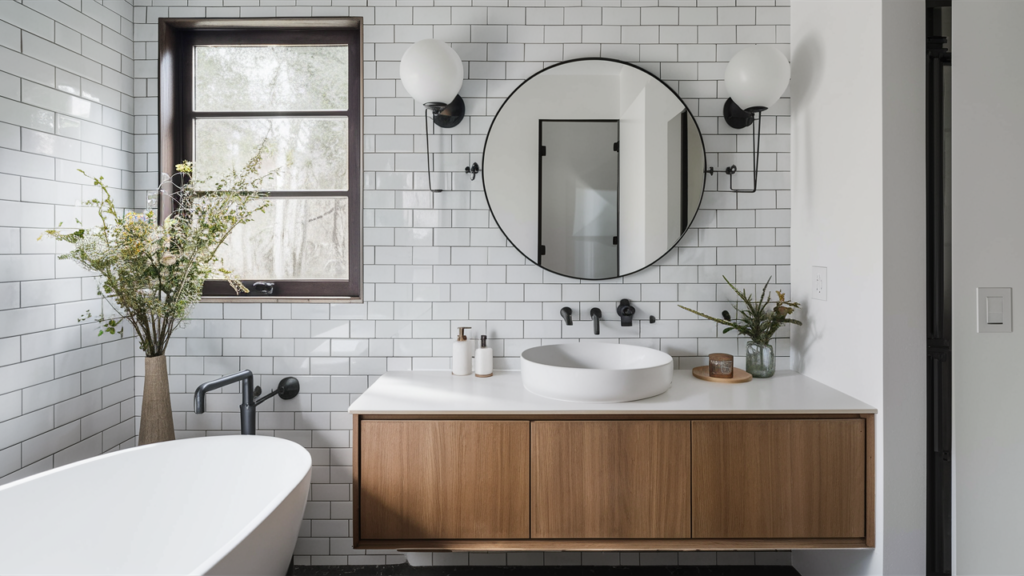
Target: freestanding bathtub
[{"x": 216, "y": 505}]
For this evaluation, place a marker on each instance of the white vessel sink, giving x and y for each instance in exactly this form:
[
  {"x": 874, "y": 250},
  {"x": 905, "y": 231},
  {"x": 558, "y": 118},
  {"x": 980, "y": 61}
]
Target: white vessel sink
[{"x": 595, "y": 372}]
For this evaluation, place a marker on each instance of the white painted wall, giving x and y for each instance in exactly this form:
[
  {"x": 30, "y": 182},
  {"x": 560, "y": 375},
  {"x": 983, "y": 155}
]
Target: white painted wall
[
  {"x": 837, "y": 208},
  {"x": 662, "y": 106},
  {"x": 632, "y": 178},
  {"x": 647, "y": 206},
  {"x": 904, "y": 308},
  {"x": 858, "y": 201},
  {"x": 673, "y": 167},
  {"x": 988, "y": 452},
  {"x": 695, "y": 186}
]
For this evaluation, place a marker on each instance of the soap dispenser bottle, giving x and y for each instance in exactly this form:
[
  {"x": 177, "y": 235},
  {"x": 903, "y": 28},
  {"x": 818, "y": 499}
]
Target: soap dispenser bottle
[
  {"x": 462, "y": 354},
  {"x": 484, "y": 360}
]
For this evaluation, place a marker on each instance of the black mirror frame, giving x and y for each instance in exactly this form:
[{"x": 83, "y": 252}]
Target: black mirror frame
[{"x": 483, "y": 172}]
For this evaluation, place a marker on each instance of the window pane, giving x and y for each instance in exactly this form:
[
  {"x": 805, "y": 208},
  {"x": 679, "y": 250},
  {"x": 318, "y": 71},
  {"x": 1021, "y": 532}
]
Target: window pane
[
  {"x": 295, "y": 239},
  {"x": 283, "y": 78},
  {"x": 311, "y": 153}
]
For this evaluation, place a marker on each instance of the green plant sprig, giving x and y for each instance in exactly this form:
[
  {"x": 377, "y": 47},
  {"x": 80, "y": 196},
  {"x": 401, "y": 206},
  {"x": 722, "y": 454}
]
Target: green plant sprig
[
  {"x": 756, "y": 320},
  {"x": 151, "y": 273}
]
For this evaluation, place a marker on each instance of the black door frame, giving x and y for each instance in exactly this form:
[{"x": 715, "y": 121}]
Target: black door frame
[
  {"x": 940, "y": 388},
  {"x": 541, "y": 153}
]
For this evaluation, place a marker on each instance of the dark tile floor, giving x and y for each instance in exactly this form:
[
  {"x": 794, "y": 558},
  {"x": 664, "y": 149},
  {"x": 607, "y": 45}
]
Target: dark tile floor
[{"x": 406, "y": 570}]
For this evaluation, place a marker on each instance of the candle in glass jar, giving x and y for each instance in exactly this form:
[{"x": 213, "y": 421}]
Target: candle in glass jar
[{"x": 720, "y": 365}]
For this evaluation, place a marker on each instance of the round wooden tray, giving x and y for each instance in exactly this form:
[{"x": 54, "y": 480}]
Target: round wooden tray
[{"x": 738, "y": 376}]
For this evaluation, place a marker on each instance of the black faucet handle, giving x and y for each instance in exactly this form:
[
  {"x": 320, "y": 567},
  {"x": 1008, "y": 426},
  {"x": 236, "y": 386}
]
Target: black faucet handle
[
  {"x": 626, "y": 312},
  {"x": 287, "y": 389}
]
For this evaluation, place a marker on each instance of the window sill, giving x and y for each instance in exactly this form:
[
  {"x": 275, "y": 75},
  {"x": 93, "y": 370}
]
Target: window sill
[{"x": 281, "y": 300}]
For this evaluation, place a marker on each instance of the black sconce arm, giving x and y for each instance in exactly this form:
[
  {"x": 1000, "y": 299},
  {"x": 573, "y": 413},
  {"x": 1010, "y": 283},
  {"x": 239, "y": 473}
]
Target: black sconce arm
[
  {"x": 426, "y": 125},
  {"x": 739, "y": 118},
  {"x": 445, "y": 116}
]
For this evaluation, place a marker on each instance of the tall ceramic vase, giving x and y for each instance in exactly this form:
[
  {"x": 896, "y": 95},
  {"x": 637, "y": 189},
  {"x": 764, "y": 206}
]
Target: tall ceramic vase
[{"x": 157, "y": 424}]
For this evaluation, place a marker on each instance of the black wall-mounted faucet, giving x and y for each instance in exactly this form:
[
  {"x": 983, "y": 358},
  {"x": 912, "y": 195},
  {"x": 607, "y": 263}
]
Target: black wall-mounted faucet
[
  {"x": 287, "y": 389},
  {"x": 567, "y": 315},
  {"x": 626, "y": 311},
  {"x": 595, "y": 314}
]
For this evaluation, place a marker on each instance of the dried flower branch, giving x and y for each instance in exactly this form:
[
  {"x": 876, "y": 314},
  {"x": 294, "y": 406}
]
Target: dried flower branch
[{"x": 152, "y": 273}]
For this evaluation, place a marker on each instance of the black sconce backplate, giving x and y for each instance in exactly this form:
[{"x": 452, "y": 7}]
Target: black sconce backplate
[
  {"x": 738, "y": 117},
  {"x": 452, "y": 114}
]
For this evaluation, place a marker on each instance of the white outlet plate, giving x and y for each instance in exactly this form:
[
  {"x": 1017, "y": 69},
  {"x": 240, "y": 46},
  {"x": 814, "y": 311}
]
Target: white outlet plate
[{"x": 819, "y": 283}]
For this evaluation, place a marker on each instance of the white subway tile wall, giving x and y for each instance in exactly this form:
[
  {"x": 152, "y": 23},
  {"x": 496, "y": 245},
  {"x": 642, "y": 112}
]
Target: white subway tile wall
[
  {"x": 432, "y": 261},
  {"x": 66, "y": 103}
]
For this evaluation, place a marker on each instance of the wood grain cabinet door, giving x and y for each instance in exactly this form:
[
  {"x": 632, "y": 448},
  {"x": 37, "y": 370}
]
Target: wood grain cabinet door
[
  {"x": 429, "y": 479},
  {"x": 610, "y": 479},
  {"x": 779, "y": 478}
]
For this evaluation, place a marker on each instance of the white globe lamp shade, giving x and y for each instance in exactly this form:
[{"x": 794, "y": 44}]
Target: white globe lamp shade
[
  {"x": 756, "y": 77},
  {"x": 431, "y": 72}
]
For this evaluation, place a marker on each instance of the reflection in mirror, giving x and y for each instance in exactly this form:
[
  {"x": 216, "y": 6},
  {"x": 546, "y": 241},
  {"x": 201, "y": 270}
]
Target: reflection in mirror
[
  {"x": 579, "y": 196},
  {"x": 594, "y": 168}
]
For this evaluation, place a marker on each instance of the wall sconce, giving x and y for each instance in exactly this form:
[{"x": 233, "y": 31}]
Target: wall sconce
[
  {"x": 755, "y": 78},
  {"x": 431, "y": 73}
]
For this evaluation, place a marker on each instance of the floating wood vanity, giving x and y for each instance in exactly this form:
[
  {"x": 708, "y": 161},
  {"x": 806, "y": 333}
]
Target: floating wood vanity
[{"x": 443, "y": 462}]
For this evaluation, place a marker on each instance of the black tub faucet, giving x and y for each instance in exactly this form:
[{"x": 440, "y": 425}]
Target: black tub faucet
[
  {"x": 625, "y": 310},
  {"x": 595, "y": 314},
  {"x": 567, "y": 315},
  {"x": 287, "y": 389}
]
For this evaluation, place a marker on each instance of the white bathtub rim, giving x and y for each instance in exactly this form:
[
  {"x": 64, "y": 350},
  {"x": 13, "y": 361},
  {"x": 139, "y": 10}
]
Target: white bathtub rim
[
  {"x": 257, "y": 519},
  {"x": 233, "y": 542}
]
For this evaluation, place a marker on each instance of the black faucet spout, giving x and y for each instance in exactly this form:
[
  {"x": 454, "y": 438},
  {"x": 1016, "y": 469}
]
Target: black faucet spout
[
  {"x": 248, "y": 406},
  {"x": 287, "y": 389},
  {"x": 595, "y": 314},
  {"x": 567, "y": 315},
  {"x": 200, "y": 396}
]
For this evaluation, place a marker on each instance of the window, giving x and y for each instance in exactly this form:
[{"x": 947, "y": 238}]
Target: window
[{"x": 297, "y": 89}]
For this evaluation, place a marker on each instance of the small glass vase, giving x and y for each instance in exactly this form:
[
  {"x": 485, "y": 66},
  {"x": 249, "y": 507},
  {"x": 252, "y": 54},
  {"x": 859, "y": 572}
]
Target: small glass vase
[{"x": 760, "y": 360}]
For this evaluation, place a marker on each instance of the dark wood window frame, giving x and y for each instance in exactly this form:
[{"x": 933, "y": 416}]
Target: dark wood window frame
[{"x": 177, "y": 38}]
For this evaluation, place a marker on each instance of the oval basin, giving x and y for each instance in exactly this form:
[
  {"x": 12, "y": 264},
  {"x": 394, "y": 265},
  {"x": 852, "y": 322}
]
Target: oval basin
[{"x": 596, "y": 372}]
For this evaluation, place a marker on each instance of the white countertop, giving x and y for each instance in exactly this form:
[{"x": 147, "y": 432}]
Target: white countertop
[{"x": 428, "y": 392}]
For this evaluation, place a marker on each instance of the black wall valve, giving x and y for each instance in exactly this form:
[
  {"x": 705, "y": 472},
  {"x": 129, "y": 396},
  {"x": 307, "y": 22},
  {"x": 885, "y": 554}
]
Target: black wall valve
[{"x": 625, "y": 311}]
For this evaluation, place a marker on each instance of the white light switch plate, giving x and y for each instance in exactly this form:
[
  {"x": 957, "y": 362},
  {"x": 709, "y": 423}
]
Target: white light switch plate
[
  {"x": 995, "y": 310},
  {"x": 819, "y": 283}
]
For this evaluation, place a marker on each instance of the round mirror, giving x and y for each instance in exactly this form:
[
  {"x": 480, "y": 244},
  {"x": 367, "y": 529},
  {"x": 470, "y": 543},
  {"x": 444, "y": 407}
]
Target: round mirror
[{"x": 594, "y": 168}]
